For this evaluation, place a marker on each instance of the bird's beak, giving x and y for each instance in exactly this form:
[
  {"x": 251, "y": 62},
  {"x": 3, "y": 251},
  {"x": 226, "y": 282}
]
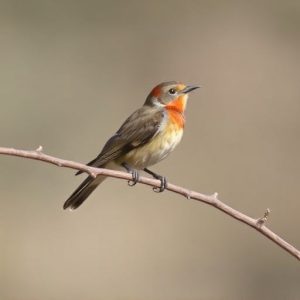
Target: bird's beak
[{"x": 189, "y": 88}]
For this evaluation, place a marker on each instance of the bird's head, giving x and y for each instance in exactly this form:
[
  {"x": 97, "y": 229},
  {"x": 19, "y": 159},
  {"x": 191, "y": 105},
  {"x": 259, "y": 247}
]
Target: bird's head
[{"x": 171, "y": 95}]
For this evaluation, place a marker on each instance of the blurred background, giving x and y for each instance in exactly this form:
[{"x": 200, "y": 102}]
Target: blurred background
[{"x": 72, "y": 71}]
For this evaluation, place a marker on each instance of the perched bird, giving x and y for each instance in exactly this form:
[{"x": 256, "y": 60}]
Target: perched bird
[{"x": 149, "y": 135}]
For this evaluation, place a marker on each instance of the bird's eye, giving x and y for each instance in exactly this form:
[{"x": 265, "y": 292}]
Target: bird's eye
[{"x": 172, "y": 91}]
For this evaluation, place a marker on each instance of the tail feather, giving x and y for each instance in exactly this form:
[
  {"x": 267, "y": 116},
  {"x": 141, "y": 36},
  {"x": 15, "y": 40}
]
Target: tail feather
[{"x": 83, "y": 191}]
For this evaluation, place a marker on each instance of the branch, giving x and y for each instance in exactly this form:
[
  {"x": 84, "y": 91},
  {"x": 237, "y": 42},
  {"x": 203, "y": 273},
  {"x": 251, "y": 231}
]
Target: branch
[{"x": 257, "y": 224}]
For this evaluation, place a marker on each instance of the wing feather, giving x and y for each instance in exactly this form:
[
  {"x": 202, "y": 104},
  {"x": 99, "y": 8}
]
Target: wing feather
[{"x": 137, "y": 130}]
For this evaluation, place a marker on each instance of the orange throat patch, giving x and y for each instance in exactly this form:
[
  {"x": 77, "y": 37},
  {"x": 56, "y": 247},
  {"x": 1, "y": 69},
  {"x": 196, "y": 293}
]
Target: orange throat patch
[{"x": 176, "y": 110}]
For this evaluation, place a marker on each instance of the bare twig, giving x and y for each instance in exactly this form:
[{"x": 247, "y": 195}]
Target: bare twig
[{"x": 258, "y": 224}]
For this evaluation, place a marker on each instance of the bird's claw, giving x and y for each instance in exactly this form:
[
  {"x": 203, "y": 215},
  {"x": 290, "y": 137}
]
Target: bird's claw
[
  {"x": 135, "y": 178},
  {"x": 163, "y": 184}
]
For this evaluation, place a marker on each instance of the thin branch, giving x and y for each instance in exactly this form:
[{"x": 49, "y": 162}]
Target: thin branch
[{"x": 258, "y": 224}]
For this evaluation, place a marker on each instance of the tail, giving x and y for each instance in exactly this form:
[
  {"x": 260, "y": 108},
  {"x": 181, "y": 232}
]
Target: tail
[{"x": 83, "y": 191}]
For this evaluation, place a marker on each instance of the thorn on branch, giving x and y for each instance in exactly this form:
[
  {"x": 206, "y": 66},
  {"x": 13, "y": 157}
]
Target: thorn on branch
[
  {"x": 261, "y": 221},
  {"x": 188, "y": 195},
  {"x": 93, "y": 174},
  {"x": 215, "y": 195},
  {"x": 39, "y": 149}
]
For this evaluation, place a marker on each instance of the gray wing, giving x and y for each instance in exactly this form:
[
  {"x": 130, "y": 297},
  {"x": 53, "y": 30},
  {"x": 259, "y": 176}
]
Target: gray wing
[{"x": 137, "y": 130}]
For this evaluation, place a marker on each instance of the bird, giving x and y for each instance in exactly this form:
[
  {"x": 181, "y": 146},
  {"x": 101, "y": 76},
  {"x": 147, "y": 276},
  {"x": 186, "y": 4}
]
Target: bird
[{"x": 146, "y": 137}]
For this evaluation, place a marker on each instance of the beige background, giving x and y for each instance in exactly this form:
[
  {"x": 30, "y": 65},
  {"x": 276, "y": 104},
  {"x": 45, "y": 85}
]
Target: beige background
[{"x": 72, "y": 71}]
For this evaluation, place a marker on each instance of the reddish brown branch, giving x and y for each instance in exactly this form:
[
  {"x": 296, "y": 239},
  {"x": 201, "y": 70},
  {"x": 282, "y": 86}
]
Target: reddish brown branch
[{"x": 258, "y": 224}]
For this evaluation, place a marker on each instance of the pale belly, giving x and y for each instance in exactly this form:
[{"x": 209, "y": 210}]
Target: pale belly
[{"x": 156, "y": 150}]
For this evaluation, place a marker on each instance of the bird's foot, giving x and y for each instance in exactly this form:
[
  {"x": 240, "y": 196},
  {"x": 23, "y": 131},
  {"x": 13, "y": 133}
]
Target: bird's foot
[
  {"x": 135, "y": 174},
  {"x": 163, "y": 181},
  {"x": 163, "y": 184},
  {"x": 135, "y": 177}
]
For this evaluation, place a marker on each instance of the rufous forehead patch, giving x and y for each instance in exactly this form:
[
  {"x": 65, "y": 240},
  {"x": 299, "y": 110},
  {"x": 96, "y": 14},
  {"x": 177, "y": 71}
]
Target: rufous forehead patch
[{"x": 156, "y": 91}]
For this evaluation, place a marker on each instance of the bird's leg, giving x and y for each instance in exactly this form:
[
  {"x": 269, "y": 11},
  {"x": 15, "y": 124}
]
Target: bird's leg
[
  {"x": 135, "y": 174},
  {"x": 163, "y": 181}
]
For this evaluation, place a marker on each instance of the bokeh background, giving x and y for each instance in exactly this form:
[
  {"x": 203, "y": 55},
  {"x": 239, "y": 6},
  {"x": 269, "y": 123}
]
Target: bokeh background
[{"x": 72, "y": 71}]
